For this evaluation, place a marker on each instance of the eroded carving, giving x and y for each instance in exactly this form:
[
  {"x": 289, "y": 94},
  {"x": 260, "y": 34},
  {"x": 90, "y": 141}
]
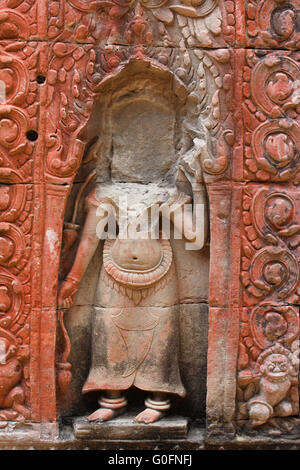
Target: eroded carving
[
  {"x": 273, "y": 23},
  {"x": 276, "y": 371},
  {"x": 136, "y": 295}
]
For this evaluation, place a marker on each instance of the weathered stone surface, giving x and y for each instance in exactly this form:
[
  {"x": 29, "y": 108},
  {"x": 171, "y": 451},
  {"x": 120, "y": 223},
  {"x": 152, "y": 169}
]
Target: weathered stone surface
[
  {"x": 143, "y": 141},
  {"x": 193, "y": 353},
  {"x": 199, "y": 96},
  {"x": 18, "y": 433},
  {"x": 193, "y": 358}
]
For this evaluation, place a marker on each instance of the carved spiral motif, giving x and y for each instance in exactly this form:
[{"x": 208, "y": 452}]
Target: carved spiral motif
[
  {"x": 12, "y": 200},
  {"x": 275, "y": 271},
  {"x": 11, "y": 300},
  {"x": 11, "y": 244},
  {"x": 275, "y": 148},
  {"x": 272, "y": 82},
  {"x": 15, "y": 76},
  {"x": 271, "y": 324},
  {"x": 13, "y": 126},
  {"x": 272, "y": 212},
  {"x": 13, "y": 25}
]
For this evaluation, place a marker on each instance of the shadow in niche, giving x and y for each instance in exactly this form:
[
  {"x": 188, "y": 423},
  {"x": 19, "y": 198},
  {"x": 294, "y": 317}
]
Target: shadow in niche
[{"x": 136, "y": 134}]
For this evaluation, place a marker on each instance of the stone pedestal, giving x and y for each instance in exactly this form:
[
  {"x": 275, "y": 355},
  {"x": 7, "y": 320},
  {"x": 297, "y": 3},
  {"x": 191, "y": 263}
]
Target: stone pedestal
[{"x": 124, "y": 428}]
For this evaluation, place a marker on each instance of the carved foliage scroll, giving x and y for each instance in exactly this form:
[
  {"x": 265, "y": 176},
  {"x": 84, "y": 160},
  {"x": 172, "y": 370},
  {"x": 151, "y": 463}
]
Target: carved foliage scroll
[
  {"x": 70, "y": 67},
  {"x": 268, "y": 354},
  {"x": 267, "y": 391},
  {"x": 18, "y": 130},
  {"x": 199, "y": 23}
]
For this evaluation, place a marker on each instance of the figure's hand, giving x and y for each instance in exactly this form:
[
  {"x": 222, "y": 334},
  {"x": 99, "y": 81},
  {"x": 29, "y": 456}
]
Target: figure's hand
[
  {"x": 175, "y": 203},
  {"x": 67, "y": 294},
  {"x": 94, "y": 152},
  {"x": 190, "y": 163}
]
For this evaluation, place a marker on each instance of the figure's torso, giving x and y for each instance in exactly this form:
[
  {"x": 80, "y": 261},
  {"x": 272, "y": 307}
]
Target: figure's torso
[{"x": 139, "y": 255}]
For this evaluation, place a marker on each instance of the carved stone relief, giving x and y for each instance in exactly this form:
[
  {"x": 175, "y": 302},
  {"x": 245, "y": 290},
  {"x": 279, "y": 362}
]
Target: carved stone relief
[
  {"x": 148, "y": 94},
  {"x": 101, "y": 98}
]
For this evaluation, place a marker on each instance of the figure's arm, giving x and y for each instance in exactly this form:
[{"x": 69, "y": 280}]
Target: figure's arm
[
  {"x": 196, "y": 227},
  {"x": 86, "y": 249},
  {"x": 87, "y": 246}
]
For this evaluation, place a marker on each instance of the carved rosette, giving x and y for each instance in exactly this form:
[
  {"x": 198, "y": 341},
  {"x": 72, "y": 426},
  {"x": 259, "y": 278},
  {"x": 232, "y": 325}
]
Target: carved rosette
[{"x": 273, "y": 23}]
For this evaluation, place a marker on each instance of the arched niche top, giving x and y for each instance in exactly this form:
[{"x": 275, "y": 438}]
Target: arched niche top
[
  {"x": 132, "y": 76},
  {"x": 154, "y": 71},
  {"x": 137, "y": 116}
]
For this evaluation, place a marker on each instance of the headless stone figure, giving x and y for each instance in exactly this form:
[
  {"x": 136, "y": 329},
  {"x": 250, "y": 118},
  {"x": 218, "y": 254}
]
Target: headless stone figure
[{"x": 135, "y": 339}]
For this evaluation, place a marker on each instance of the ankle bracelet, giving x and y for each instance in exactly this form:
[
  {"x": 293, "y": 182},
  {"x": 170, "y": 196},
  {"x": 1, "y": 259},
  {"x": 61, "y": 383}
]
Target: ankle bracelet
[
  {"x": 112, "y": 403},
  {"x": 158, "y": 405}
]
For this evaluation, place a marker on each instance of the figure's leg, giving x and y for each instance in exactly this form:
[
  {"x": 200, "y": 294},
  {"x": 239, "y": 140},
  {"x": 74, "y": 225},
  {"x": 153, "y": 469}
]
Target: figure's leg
[
  {"x": 15, "y": 400},
  {"x": 284, "y": 408},
  {"x": 156, "y": 408},
  {"x": 112, "y": 404}
]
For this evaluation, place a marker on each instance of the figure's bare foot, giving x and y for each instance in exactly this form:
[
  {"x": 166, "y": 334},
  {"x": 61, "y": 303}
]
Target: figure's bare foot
[
  {"x": 7, "y": 415},
  {"x": 149, "y": 416},
  {"x": 105, "y": 414}
]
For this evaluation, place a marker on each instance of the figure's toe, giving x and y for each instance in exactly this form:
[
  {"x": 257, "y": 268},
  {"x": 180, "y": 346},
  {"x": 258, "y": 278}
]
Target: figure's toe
[
  {"x": 105, "y": 414},
  {"x": 148, "y": 416},
  {"x": 102, "y": 414}
]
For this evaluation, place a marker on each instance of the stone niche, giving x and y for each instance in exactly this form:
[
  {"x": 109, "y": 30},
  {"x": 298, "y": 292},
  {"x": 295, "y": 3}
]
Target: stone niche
[{"x": 136, "y": 128}]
